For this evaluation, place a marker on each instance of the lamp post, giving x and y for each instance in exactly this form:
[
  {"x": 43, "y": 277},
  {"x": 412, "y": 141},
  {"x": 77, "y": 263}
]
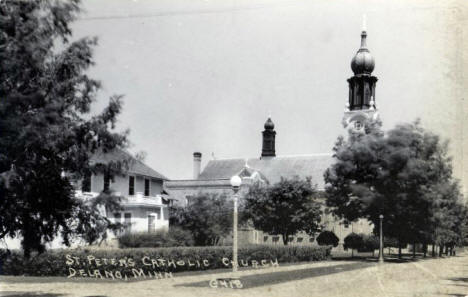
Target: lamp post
[
  {"x": 381, "y": 259},
  {"x": 236, "y": 182}
]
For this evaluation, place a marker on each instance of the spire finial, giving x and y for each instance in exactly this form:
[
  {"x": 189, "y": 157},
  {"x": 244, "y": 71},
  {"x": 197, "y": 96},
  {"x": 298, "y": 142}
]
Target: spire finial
[
  {"x": 364, "y": 23},
  {"x": 269, "y": 114},
  {"x": 364, "y": 33}
]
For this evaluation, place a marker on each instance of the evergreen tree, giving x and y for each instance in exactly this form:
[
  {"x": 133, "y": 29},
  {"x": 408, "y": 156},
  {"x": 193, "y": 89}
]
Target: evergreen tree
[{"x": 47, "y": 134}]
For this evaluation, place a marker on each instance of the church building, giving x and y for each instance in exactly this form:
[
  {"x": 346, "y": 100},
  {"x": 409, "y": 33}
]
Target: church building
[{"x": 269, "y": 167}]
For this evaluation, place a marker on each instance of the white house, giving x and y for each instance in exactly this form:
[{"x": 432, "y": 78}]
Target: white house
[{"x": 145, "y": 204}]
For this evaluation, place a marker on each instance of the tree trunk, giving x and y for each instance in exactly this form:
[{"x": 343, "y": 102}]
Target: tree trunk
[
  {"x": 414, "y": 250},
  {"x": 441, "y": 250},
  {"x": 399, "y": 250},
  {"x": 285, "y": 239},
  {"x": 352, "y": 253},
  {"x": 425, "y": 249},
  {"x": 433, "y": 250}
]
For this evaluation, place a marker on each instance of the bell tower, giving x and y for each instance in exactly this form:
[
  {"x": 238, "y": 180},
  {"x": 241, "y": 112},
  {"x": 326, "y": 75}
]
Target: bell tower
[{"x": 361, "y": 101}]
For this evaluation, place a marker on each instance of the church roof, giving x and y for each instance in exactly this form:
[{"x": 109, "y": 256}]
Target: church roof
[
  {"x": 272, "y": 168},
  {"x": 134, "y": 166}
]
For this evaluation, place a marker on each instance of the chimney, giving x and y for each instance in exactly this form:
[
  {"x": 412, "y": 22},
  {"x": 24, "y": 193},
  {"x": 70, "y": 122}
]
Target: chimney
[
  {"x": 196, "y": 164},
  {"x": 268, "y": 147}
]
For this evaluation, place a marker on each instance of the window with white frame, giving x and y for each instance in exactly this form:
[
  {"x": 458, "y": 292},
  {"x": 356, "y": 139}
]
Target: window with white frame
[
  {"x": 147, "y": 187},
  {"x": 131, "y": 185},
  {"x": 108, "y": 179}
]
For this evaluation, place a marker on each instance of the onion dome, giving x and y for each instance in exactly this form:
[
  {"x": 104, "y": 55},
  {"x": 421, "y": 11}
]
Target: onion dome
[
  {"x": 269, "y": 125},
  {"x": 363, "y": 62}
]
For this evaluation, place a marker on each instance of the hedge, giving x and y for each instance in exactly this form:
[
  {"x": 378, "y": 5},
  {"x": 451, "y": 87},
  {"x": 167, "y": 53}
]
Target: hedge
[
  {"x": 61, "y": 263},
  {"x": 175, "y": 236}
]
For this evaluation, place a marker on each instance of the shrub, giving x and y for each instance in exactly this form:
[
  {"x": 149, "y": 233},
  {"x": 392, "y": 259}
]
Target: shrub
[
  {"x": 370, "y": 243},
  {"x": 180, "y": 237},
  {"x": 353, "y": 241},
  {"x": 174, "y": 237},
  {"x": 328, "y": 238},
  {"x": 54, "y": 262}
]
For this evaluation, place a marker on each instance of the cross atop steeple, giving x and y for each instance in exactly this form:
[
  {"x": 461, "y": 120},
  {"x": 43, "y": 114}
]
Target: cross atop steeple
[{"x": 364, "y": 23}]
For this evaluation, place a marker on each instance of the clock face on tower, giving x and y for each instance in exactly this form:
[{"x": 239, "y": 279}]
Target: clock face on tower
[
  {"x": 358, "y": 125},
  {"x": 355, "y": 121}
]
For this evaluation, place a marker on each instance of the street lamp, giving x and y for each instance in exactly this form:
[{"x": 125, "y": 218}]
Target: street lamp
[
  {"x": 236, "y": 182},
  {"x": 381, "y": 259}
]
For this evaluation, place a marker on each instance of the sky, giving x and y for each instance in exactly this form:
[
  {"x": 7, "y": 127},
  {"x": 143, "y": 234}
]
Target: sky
[{"x": 203, "y": 75}]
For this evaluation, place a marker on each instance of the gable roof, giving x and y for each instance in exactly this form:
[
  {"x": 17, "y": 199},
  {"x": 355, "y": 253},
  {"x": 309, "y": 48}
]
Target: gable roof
[
  {"x": 273, "y": 168},
  {"x": 134, "y": 166}
]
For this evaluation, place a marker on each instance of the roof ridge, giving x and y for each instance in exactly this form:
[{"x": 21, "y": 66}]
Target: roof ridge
[
  {"x": 306, "y": 155},
  {"x": 281, "y": 156},
  {"x": 207, "y": 179},
  {"x": 226, "y": 159}
]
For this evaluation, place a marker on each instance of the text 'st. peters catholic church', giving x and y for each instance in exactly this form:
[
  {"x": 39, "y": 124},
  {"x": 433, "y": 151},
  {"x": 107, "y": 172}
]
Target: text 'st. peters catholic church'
[{"x": 269, "y": 167}]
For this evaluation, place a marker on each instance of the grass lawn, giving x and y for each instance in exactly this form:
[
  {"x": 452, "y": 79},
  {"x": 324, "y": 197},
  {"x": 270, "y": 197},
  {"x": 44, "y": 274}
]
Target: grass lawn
[{"x": 63, "y": 279}]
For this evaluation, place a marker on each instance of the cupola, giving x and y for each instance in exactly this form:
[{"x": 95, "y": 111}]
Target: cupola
[
  {"x": 269, "y": 125},
  {"x": 363, "y": 62}
]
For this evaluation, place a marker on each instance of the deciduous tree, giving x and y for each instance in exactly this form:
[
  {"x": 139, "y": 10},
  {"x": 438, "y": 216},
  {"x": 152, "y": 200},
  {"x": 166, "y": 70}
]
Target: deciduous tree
[
  {"x": 207, "y": 216},
  {"x": 284, "y": 208},
  {"x": 389, "y": 174},
  {"x": 353, "y": 241}
]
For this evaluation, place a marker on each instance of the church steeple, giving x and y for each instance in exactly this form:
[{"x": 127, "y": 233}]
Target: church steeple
[
  {"x": 268, "y": 147},
  {"x": 361, "y": 100}
]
